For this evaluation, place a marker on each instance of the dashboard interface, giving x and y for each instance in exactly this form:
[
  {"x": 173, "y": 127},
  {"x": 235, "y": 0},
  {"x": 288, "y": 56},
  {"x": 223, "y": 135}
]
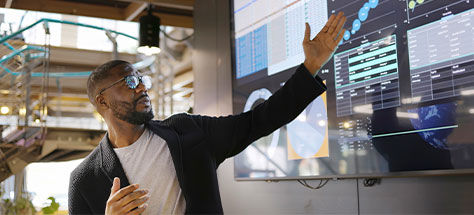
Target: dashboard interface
[{"x": 400, "y": 92}]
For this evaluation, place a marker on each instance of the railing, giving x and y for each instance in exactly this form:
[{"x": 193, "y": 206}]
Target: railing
[
  {"x": 145, "y": 63},
  {"x": 18, "y": 62},
  {"x": 46, "y": 21},
  {"x": 16, "y": 49}
]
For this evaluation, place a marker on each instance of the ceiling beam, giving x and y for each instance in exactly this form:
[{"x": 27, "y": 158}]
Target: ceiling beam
[
  {"x": 53, "y": 91},
  {"x": 93, "y": 58},
  {"x": 182, "y": 18},
  {"x": 56, "y": 154},
  {"x": 132, "y": 11},
  {"x": 70, "y": 99},
  {"x": 72, "y": 8}
]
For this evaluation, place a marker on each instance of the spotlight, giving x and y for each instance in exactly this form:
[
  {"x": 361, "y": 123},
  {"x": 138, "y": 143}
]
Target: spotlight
[
  {"x": 4, "y": 110},
  {"x": 44, "y": 112},
  {"x": 22, "y": 111},
  {"x": 149, "y": 38},
  {"x": 322, "y": 123}
]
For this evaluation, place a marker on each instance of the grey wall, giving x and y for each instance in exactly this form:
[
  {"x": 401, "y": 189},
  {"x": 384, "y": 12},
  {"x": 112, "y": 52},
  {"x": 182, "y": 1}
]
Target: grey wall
[{"x": 213, "y": 96}]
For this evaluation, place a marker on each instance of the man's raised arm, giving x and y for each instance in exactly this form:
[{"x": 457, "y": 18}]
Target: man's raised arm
[{"x": 230, "y": 135}]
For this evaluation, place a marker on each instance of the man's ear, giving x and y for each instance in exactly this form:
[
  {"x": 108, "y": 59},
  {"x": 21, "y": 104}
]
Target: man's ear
[{"x": 100, "y": 102}]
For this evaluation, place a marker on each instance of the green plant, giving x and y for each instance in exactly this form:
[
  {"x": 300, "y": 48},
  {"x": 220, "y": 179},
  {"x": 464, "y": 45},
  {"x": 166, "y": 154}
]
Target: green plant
[
  {"x": 52, "y": 208},
  {"x": 22, "y": 205}
]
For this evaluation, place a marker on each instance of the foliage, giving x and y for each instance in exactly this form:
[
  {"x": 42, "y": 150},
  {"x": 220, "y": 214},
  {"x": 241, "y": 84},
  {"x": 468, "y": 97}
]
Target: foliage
[
  {"x": 52, "y": 208},
  {"x": 22, "y": 205}
]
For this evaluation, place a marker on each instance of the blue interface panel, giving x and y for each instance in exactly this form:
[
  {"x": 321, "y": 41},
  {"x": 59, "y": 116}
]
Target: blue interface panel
[
  {"x": 367, "y": 77},
  {"x": 400, "y": 88},
  {"x": 271, "y": 33},
  {"x": 441, "y": 57}
]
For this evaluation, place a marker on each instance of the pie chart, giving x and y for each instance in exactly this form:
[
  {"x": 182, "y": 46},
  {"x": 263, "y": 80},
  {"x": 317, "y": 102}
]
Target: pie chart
[
  {"x": 270, "y": 142},
  {"x": 308, "y": 133}
]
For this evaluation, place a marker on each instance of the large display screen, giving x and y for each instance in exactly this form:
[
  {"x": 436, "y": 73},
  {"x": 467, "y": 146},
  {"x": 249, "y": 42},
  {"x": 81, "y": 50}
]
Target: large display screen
[{"x": 400, "y": 98}]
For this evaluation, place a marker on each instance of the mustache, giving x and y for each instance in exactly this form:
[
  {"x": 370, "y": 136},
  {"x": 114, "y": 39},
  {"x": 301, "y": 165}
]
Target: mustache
[{"x": 140, "y": 97}]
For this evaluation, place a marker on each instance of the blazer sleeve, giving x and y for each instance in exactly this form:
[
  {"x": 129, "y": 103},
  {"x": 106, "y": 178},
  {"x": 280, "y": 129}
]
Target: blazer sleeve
[
  {"x": 231, "y": 134},
  {"x": 76, "y": 202}
]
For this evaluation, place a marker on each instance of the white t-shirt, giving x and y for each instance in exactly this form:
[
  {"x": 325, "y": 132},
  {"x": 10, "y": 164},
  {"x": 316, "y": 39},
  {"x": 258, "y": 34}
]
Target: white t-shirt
[{"x": 148, "y": 162}]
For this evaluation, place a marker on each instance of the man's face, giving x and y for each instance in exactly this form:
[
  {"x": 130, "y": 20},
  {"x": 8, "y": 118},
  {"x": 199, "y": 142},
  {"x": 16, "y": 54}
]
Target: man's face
[{"x": 130, "y": 105}]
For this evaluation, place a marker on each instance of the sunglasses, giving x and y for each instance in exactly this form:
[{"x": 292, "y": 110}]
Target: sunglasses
[{"x": 132, "y": 82}]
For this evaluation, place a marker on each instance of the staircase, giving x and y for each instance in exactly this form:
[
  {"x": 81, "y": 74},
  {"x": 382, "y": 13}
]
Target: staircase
[{"x": 26, "y": 132}]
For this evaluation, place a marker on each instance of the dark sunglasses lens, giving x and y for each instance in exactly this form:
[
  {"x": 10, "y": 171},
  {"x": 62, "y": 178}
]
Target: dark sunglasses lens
[
  {"x": 146, "y": 80},
  {"x": 132, "y": 81}
]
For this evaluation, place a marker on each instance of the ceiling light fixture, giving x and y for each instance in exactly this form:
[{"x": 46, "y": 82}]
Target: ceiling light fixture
[
  {"x": 4, "y": 110},
  {"x": 149, "y": 37}
]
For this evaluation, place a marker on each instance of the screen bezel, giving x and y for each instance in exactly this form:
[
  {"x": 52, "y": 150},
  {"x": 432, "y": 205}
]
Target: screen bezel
[{"x": 398, "y": 174}]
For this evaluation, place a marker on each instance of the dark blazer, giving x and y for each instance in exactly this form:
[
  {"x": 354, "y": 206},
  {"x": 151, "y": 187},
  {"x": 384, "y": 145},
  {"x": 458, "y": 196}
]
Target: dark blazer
[{"x": 198, "y": 144}]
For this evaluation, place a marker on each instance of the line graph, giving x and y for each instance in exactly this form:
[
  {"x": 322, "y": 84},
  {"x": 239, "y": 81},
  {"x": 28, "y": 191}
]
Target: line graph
[
  {"x": 365, "y": 18},
  {"x": 362, "y": 16},
  {"x": 424, "y": 8},
  {"x": 415, "y": 3}
]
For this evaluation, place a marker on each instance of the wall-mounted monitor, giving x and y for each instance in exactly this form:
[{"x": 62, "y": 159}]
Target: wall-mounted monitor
[{"x": 400, "y": 98}]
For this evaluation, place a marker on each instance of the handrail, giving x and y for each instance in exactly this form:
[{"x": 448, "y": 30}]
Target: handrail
[
  {"x": 18, "y": 51},
  {"x": 139, "y": 64},
  {"x": 9, "y": 46},
  {"x": 59, "y": 74},
  {"x": 46, "y": 20}
]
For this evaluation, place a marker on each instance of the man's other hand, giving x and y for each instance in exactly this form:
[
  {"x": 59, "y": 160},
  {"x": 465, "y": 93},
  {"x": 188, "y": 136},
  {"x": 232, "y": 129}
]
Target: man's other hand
[
  {"x": 127, "y": 200},
  {"x": 321, "y": 48}
]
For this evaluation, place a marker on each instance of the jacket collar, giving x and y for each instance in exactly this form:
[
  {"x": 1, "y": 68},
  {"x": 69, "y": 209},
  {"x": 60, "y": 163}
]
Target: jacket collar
[
  {"x": 110, "y": 163},
  {"x": 112, "y": 167}
]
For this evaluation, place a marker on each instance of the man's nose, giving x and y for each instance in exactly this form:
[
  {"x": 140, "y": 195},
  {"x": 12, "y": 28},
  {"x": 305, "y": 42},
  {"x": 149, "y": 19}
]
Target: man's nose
[{"x": 140, "y": 88}]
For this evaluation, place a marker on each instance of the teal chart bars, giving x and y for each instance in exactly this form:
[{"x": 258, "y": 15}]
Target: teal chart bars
[
  {"x": 441, "y": 56},
  {"x": 366, "y": 77}
]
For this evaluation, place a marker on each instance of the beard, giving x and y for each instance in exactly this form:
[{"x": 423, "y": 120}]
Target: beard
[{"x": 128, "y": 112}]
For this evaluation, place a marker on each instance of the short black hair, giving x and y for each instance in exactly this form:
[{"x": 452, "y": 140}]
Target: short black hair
[{"x": 98, "y": 75}]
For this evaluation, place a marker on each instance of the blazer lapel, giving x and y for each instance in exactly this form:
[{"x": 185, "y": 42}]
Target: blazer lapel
[
  {"x": 110, "y": 163},
  {"x": 112, "y": 167}
]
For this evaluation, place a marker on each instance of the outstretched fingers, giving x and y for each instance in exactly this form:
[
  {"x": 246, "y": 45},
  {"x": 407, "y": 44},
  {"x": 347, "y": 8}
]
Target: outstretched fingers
[
  {"x": 339, "y": 38},
  {"x": 334, "y": 23},
  {"x": 328, "y": 23},
  {"x": 339, "y": 26}
]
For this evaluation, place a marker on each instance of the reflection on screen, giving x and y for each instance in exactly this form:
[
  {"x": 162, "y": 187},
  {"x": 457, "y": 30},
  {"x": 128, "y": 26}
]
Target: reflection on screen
[{"x": 400, "y": 87}]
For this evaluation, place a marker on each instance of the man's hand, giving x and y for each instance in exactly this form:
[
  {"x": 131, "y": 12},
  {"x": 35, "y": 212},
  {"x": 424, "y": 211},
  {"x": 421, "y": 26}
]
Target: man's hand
[
  {"x": 320, "y": 49},
  {"x": 123, "y": 201}
]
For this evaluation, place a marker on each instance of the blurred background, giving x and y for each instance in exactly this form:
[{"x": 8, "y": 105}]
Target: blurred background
[{"x": 47, "y": 51}]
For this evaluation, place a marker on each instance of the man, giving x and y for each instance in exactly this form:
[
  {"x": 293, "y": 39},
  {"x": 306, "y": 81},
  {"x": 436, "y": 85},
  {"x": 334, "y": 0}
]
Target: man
[{"x": 174, "y": 161}]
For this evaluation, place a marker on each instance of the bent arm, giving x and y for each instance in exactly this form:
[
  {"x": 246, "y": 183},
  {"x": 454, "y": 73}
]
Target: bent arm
[
  {"x": 230, "y": 135},
  {"x": 76, "y": 202}
]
